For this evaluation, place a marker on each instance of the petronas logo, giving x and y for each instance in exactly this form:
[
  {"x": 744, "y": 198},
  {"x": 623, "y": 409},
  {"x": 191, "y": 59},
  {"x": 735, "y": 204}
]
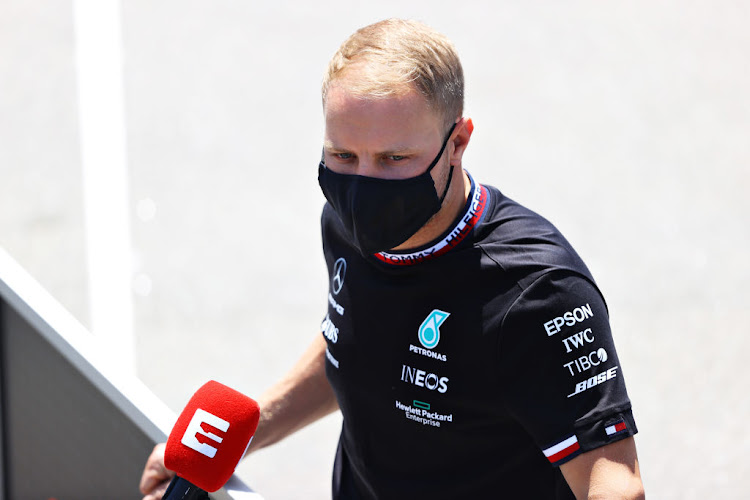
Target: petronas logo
[{"x": 429, "y": 330}]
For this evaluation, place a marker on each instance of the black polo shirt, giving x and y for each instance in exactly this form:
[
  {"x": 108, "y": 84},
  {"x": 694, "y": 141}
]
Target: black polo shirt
[{"x": 472, "y": 367}]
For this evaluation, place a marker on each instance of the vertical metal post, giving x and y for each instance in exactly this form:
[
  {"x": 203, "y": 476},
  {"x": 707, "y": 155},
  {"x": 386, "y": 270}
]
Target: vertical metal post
[{"x": 101, "y": 111}]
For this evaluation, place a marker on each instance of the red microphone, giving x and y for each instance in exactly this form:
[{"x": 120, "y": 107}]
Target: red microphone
[{"x": 210, "y": 437}]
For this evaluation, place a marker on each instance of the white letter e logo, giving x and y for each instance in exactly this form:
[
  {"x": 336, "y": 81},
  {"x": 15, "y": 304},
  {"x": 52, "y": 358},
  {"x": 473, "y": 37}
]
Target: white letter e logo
[{"x": 195, "y": 427}]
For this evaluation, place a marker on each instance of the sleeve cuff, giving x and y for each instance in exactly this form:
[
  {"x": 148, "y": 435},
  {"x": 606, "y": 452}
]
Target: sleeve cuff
[{"x": 590, "y": 435}]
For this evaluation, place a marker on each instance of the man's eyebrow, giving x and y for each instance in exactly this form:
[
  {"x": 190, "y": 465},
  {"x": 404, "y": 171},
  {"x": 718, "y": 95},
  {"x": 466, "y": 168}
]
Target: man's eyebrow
[
  {"x": 329, "y": 146},
  {"x": 399, "y": 149},
  {"x": 394, "y": 150}
]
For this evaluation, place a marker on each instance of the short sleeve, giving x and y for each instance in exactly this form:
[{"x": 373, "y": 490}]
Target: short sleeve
[{"x": 559, "y": 371}]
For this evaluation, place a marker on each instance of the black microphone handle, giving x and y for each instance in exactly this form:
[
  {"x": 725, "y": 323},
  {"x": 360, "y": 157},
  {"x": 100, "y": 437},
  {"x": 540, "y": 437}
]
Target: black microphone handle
[{"x": 182, "y": 489}]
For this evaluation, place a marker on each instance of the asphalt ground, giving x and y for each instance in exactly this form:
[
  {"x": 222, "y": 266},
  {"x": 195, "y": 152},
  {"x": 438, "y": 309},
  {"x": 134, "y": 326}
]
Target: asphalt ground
[{"x": 626, "y": 124}]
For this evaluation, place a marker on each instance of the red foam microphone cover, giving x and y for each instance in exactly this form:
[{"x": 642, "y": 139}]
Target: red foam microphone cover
[{"x": 211, "y": 435}]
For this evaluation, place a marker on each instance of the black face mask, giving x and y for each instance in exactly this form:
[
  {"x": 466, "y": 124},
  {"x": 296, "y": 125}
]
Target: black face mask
[{"x": 383, "y": 213}]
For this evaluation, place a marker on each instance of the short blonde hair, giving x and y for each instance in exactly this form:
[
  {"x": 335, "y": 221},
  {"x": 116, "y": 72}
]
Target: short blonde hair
[{"x": 395, "y": 56}]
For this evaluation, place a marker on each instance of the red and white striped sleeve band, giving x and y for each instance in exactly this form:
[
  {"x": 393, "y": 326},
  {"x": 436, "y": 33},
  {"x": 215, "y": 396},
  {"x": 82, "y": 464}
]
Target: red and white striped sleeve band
[
  {"x": 589, "y": 436},
  {"x": 562, "y": 450}
]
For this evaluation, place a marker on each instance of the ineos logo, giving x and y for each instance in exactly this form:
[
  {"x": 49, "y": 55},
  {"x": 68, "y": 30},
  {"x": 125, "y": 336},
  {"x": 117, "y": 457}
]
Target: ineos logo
[
  {"x": 421, "y": 378},
  {"x": 339, "y": 272}
]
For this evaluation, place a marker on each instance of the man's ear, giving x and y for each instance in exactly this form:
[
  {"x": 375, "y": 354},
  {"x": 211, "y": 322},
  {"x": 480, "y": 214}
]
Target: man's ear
[{"x": 461, "y": 137}]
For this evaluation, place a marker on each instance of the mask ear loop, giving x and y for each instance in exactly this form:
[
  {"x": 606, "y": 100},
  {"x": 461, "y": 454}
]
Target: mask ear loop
[
  {"x": 447, "y": 185},
  {"x": 442, "y": 149},
  {"x": 437, "y": 159}
]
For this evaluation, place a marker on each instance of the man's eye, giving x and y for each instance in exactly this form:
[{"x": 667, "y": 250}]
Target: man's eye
[
  {"x": 396, "y": 157},
  {"x": 343, "y": 156}
]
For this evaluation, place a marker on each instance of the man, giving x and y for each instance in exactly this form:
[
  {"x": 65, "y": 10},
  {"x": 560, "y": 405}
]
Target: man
[{"x": 466, "y": 344}]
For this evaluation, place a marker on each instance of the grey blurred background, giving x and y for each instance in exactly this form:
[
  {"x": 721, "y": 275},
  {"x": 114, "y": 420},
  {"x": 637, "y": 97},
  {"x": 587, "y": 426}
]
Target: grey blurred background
[{"x": 625, "y": 123}]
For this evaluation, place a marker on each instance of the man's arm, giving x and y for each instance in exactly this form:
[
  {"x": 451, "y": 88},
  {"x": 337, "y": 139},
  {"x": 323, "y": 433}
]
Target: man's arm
[
  {"x": 300, "y": 398},
  {"x": 610, "y": 472},
  {"x": 297, "y": 400}
]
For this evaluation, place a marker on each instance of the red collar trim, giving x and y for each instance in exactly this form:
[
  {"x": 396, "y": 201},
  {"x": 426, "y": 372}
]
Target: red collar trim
[{"x": 474, "y": 211}]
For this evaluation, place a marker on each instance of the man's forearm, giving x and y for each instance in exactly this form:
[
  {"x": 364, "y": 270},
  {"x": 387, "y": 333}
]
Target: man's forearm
[
  {"x": 610, "y": 472},
  {"x": 300, "y": 398}
]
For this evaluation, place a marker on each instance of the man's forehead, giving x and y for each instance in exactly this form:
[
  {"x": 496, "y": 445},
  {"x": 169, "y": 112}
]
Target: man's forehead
[
  {"x": 345, "y": 92},
  {"x": 388, "y": 123},
  {"x": 359, "y": 85},
  {"x": 379, "y": 138}
]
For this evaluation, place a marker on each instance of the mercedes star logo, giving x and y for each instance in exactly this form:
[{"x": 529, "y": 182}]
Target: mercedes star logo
[{"x": 339, "y": 271}]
